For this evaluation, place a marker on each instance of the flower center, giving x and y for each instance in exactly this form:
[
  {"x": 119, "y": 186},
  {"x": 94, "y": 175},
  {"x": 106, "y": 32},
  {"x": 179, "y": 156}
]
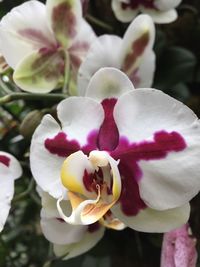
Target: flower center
[
  {"x": 5, "y": 160},
  {"x": 93, "y": 183}
]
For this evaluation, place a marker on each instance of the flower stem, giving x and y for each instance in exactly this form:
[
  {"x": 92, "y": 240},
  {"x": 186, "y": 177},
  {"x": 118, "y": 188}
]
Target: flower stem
[
  {"x": 26, "y": 192},
  {"x": 4, "y": 87},
  {"x": 25, "y": 96},
  {"x": 67, "y": 73}
]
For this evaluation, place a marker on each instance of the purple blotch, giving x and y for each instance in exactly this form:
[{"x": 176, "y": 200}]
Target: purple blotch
[
  {"x": 61, "y": 146},
  {"x": 130, "y": 154},
  {"x": 93, "y": 227},
  {"x": 108, "y": 138},
  {"x": 136, "y": 3},
  {"x": 64, "y": 20},
  {"x": 5, "y": 160}
]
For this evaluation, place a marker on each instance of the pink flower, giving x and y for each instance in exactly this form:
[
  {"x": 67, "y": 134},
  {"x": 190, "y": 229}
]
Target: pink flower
[{"x": 178, "y": 249}]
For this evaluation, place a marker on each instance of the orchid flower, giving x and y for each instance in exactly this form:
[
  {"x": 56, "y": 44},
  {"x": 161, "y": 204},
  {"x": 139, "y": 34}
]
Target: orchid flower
[
  {"x": 45, "y": 44},
  {"x": 178, "y": 248},
  {"x": 10, "y": 170},
  {"x": 132, "y": 54},
  {"x": 161, "y": 11},
  {"x": 134, "y": 153},
  {"x": 68, "y": 240}
]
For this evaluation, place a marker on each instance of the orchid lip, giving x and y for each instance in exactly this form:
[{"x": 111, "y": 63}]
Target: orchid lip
[{"x": 93, "y": 187}]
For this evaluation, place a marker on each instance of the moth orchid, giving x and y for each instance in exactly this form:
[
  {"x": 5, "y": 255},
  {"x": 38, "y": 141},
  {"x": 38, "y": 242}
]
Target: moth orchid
[
  {"x": 134, "y": 153},
  {"x": 132, "y": 54},
  {"x": 44, "y": 43},
  {"x": 10, "y": 170},
  {"x": 161, "y": 11},
  {"x": 178, "y": 248},
  {"x": 68, "y": 240}
]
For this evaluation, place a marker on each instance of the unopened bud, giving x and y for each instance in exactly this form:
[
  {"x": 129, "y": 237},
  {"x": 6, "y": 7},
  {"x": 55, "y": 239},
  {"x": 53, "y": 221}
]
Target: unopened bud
[{"x": 30, "y": 123}]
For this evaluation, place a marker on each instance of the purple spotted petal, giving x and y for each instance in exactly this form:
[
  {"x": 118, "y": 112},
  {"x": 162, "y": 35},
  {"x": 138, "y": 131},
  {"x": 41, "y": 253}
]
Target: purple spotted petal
[{"x": 178, "y": 249}]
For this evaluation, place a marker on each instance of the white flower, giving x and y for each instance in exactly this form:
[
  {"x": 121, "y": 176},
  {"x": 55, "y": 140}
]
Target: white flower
[
  {"x": 44, "y": 43},
  {"x": 68, "y": 240},
  {"x": 132, "y": 152},
  {"x": 161, "y": 11},
  {"x": 133, "y": 54},
  {"x": 10, "y": 170}
]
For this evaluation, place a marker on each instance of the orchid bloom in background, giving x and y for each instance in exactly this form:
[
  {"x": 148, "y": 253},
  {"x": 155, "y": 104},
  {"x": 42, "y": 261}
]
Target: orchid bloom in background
[
  {"x": 133, "y": 54},
  {"x": 10, "y": 170},
  {"x": 68, "y": 240},
  {"x": 121, "y": 151},
  {"x": 44, "y": 43},
  {"x": 179, "y": 248},
  {"x": 161, "y": 11}
]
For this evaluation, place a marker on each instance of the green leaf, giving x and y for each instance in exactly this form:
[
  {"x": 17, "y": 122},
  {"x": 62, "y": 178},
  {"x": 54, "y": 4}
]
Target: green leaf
[{"x": 176, "y": 65}]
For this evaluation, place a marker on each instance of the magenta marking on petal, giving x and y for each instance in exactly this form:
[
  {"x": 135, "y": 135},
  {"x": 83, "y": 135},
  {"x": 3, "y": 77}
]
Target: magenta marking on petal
[
  {"x": 133, "y": 4},
  {"x": 131, "y": 202},
  {"x": 49, "y": 65},
  {"x": 135, "y": 78},
  {"x": 138, "y": 47},
  {"x": 108, "y": 134},
  {"x": 88, "y": 180},
  {"x": 5, "y": 160},
  {"x": 162, "y": 144},
  {"x": 64, "y": 20},
  {"x": 61, "y": 146},
  {"x": 60, "y": 220},
  {"x": 77, "y": 52},
  {"x": 91, "y": 142},
  {"x": 38, "y": 36},
  {"x": 91, "y": 180},
  {"x": 93, "y": 227},
  {"x": 130, "y": 154}
]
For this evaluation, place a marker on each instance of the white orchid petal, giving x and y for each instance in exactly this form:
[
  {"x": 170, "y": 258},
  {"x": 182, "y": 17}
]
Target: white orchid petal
[
  {"x": 161, "y": 16},
  {"x": 79, "y": 117},
  {"x": 138, "y": 40},
  {"x": 21, "y": 33},
  {"x": 80, "y": 46},
  {"x": 54, "y": 228},
  {"x": 144, "y": 115},
  {"x": 154, "y": 221},
  {"x": 108, "y": 83},
  {"x": 10, "y": 170},
  {"x": 46, "y": 166},
  {"x": 89, "y": 240},
  {"x": 164, "y": 5},
  {"x": 104, "y": 52},
  {"x": 124, "y": 15},
  {"x": 64, "y": 18}
]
